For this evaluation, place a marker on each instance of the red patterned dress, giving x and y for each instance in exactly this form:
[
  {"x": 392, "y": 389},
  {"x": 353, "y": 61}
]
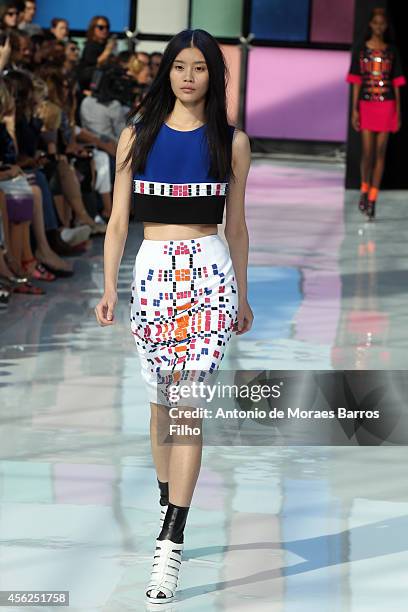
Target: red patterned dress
[{"x": 378, "y": 71}]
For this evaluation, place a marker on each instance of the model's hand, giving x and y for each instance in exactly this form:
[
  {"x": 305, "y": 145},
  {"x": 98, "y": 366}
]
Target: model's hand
[
  {"x": 244, "y": 318},
  {"x": 398, "y": 122},
  {"x": 355, "y": 120},
  {"x": 104, "y": 310}
]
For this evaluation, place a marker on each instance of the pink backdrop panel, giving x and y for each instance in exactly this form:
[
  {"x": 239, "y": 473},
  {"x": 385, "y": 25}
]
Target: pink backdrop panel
[
  {"x": 332, "y": 21},
  {"x": 298, "y": 94},
  {"x": 232, "y": 56}
]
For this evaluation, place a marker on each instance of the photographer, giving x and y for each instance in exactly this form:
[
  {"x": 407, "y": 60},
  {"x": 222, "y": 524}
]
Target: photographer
[
  {"x": 104, "y": 111},
  {"x": 103, "y": 114}
]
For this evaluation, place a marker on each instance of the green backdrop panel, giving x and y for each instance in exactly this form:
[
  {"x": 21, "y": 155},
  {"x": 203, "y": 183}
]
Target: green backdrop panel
[{"x": 219, "y": 18}]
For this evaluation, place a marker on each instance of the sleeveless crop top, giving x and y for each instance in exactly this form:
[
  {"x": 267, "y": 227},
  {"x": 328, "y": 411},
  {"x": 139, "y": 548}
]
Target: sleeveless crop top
[{"x": 175, "y": 186}]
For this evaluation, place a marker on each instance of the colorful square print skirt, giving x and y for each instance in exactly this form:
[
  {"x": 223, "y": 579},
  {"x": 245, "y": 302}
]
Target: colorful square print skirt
[{"x": 183, "y": 308}]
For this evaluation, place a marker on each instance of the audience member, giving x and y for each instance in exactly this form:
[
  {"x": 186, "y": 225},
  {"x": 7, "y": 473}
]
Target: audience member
[
  {"x": 60, "y": 121},
  {"x": 59, "y": 29},
  {"x": 97, "y": 51},
  {"x": 26, "y": 23}
]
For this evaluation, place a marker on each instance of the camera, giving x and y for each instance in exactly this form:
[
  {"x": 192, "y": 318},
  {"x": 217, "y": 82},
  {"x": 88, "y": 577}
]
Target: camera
[{"x": 111, "y": 83}]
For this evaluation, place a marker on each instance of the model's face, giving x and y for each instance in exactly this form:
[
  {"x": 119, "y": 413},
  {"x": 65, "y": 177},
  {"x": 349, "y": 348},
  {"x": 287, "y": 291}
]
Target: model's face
[
  {"x": 61, "y": 30},
  {"x": 378, "y": 25},
  {"x": 29, "y": 12},
  {"x": 189, "y": 75}
]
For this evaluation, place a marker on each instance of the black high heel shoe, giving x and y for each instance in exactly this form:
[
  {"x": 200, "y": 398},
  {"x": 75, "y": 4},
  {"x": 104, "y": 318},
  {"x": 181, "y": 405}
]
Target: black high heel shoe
[
  {"x": 362, "y": 205},
  {"x": 371, "y": 209}
]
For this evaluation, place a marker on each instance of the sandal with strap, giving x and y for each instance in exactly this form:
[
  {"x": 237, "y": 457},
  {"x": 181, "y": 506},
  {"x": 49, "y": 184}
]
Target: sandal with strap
[
  {"x": 163, "y": 510},
  {"x": 371, "y": 210},
  {"x": 39, "y": 272},
  {"x": 28, "y": 288},
  {"x": 362, "y": 204},
  {"x": 165, "y": 571}
]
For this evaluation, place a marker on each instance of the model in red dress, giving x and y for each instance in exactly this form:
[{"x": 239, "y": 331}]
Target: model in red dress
[{"x": 376, "y": 75}]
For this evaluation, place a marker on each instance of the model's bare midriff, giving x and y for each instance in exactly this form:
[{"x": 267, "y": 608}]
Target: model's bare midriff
[{"x": 166, "y": 231}]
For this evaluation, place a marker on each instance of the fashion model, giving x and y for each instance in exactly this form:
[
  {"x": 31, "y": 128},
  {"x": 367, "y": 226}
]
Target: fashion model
[
  {"x": 376, "y": 75},
  {"x": 185, "y": 164}
]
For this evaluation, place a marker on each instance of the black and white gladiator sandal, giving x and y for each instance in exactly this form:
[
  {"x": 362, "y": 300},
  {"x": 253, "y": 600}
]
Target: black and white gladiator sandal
[
  {"x": 165, "y": 571},
  {"x": 163, "y": 510}
]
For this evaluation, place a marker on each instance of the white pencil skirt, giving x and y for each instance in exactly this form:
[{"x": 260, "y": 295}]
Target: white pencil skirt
[{"x": 183, "y": 307}]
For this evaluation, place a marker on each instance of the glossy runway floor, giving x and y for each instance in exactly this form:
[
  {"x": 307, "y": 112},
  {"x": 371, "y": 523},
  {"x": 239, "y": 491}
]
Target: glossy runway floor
[{"x": 288, "y": 529}]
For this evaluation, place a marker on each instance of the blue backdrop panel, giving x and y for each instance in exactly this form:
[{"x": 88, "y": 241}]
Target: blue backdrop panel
[
  {"x": 80, "y": 12},
  {"x": 280, "y": 19}
]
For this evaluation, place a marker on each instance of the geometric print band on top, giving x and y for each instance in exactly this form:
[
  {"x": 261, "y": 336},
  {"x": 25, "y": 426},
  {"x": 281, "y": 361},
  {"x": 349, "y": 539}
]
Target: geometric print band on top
[{"x": 180, "y": 190}]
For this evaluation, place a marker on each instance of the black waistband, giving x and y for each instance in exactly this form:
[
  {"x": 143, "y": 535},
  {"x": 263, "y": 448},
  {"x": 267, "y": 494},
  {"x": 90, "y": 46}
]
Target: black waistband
[{"x": 162, "y": 209}]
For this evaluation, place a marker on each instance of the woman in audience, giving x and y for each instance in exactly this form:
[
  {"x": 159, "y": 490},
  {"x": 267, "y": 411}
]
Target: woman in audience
[
  {"x": 56, "y": 137},
  {"x": 98, "y": 49},
  {"x": 28, "y": 130},
  {"x": 59, "y": 29},
  {"x": 20, "y": 201},
  {"x": 9, "y": 14}
]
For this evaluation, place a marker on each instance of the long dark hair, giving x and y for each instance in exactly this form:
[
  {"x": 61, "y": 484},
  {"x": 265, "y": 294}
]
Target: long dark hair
[
  {"x": 389, "y": 32},
  {"x": 160, "y": 99}
]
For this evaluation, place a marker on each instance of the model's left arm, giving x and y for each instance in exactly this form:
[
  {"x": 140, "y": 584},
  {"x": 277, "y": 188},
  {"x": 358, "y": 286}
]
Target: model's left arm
[
  {"x": 397, "y": 80},
  {"x": 236, "y": 232}
]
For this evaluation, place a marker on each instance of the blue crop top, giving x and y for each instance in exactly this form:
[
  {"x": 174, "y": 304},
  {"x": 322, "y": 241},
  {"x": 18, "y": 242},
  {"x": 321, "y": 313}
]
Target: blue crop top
[{"x": 175, "y": 186}]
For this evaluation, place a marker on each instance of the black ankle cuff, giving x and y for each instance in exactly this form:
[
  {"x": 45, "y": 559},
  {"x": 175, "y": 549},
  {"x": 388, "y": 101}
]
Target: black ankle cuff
[
  {"x": 164, "y": 492},
  {"x": 174, "y": 523}
]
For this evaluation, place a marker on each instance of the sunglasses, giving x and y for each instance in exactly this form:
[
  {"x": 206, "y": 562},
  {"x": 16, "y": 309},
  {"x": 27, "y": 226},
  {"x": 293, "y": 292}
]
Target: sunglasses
[
  {"x": 101, "y": 27},
  {"x": 12, "y": 13}
]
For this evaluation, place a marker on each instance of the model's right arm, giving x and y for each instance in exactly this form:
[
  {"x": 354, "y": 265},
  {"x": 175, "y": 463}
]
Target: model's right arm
[{"x": 117, "y": 230}]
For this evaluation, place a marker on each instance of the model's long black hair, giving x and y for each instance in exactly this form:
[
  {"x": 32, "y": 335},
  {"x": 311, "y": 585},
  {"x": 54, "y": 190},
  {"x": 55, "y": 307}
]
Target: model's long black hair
[{"x": 160, "y": 99}]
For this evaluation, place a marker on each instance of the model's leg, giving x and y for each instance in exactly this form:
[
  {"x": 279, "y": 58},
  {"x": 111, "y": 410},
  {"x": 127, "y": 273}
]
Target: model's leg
[
  {"x": 159, "y": 429},
  {"x": 380, "y": 151},
  {"x": 184, "y": 467},
  {"x": 185, "y": 460},
  {"x": 367, "y": 157},
  {"x": 367, "y": 140}
]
